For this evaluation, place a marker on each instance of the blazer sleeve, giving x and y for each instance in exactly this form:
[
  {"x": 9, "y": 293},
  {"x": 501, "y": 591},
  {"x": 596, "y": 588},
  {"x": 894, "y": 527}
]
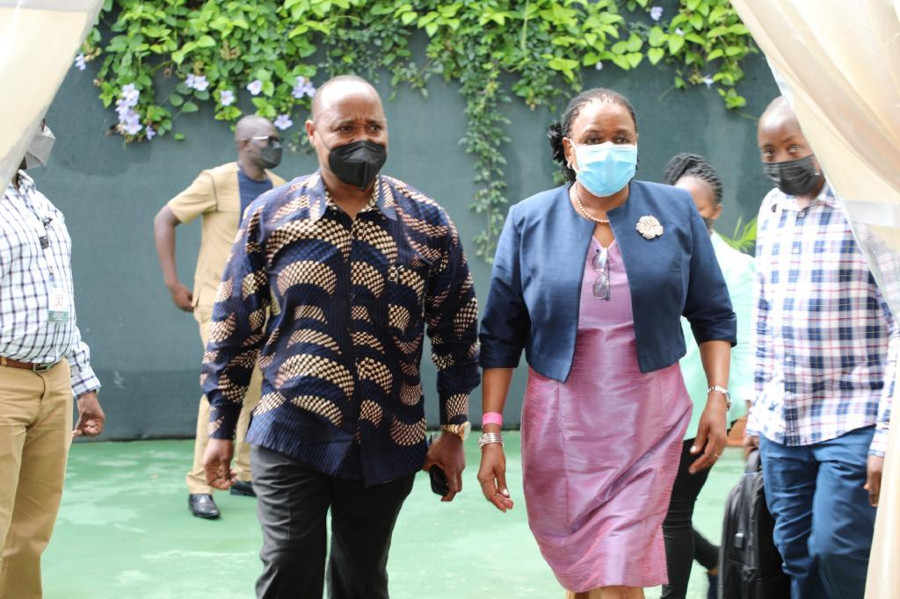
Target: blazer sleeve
[
  {"x": 505, "y": 325},
  {"x": 707, "y": 305}
]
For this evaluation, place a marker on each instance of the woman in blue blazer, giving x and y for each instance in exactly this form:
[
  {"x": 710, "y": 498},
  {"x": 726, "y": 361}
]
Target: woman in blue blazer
[{"x": 591, "y": 280}]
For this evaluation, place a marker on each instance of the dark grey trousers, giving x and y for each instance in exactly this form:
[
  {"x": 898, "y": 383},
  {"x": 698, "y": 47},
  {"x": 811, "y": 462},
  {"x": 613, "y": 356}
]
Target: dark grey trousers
[{"x": 293, "y": 501}]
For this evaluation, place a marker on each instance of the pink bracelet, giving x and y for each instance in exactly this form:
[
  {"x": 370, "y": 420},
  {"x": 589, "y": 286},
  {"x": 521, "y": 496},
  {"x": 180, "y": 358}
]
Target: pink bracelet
[{"x": 492, "y": 418}]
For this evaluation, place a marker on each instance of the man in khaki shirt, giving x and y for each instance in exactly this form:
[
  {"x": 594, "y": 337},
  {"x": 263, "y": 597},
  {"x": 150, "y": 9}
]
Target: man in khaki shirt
[{"x": 220, "y": 195}]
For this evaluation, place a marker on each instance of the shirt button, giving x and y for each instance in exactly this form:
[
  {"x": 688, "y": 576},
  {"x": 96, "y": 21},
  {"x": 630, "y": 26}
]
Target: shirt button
[
  {"x": 795, "y": 249},
  {"x": 788, "y": 360}
]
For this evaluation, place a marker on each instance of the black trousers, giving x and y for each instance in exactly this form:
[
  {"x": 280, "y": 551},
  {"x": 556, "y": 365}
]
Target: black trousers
[
  {"x": 293, "y": 501},
  {"x": 683, "y": 543}
]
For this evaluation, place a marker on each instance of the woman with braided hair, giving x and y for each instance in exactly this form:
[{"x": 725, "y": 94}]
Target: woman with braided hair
[
  {"x": 684, "y": 544},
  {"x": 591, "y": 280}
]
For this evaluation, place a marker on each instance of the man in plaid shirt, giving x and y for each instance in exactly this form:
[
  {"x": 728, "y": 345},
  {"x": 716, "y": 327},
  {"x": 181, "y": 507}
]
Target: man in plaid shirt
[
  {"x": 43, "y": 364},
  {"x": 826, "y": 352}
]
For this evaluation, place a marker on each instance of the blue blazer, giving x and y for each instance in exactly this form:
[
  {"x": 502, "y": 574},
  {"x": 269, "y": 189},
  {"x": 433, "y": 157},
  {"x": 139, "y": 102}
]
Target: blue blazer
[{"x": 534, "y": 299}]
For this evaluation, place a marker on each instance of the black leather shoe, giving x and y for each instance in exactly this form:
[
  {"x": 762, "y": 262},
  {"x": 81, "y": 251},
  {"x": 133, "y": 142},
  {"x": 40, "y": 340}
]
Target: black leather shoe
[
  {"x": 203, "y": 506},
  {"x": 243, "y": 488}
]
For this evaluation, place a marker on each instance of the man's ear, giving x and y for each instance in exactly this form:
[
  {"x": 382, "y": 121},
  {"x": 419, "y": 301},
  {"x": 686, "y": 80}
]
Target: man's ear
[{"x": 310, "y": 127}]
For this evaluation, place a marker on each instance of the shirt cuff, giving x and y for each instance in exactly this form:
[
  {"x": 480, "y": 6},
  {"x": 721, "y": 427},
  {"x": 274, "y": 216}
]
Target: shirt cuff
[
  {"x": 223, "y": 421},
  {"x": 879, "y": 442},
  {"x": 83, "y": 380}
]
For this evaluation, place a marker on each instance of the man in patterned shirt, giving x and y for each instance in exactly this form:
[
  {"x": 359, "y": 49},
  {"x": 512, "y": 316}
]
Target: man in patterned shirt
[
  {"x": 353, "y": 268},
  {"x": 826, "y": 351},
  {"x": 43, "y": 363}
]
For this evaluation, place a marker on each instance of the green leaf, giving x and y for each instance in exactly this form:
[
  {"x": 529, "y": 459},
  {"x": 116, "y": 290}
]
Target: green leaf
[
  {"x": 189, "y": 107},
  {"x": 739, "y": 29},
  {"x": 676, "y": 43},
  {"x": 733, "y": 50},
  {"x": 175, "y": 100},
  {"x": 179, "y": 136},
  {"x": 206, "y": 41},
  {"x": 634, "y": 43},
  {"x": 634, "y": 59},
  {"x": 717, "y": 53},
  {"x": 654, "y": 55},
  {"x": 657, "y": 37}
]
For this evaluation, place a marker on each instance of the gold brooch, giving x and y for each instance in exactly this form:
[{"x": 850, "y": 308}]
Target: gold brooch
[{"x": 649, "y": 227}]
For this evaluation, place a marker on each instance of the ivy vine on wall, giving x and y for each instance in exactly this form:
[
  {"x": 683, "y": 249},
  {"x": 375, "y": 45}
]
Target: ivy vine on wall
[{"x": 162, "y": 58}]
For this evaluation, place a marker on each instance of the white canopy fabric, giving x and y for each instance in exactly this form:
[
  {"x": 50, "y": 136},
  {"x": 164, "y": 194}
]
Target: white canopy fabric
[
  {"x": 38, "y": 42},
  {"x": 838, "y": 63}
]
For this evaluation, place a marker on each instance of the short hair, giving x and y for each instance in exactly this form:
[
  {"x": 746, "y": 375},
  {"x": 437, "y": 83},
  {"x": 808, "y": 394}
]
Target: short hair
[
  {"x": 693, "y": 165},
  {"x": 562, "y": 129},
  {"x": 316, "y": 101},
  {"x": 248, "y": 126}
]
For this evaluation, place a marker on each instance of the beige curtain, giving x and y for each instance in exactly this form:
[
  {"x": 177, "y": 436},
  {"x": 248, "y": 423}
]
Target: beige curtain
[
  {"x": 838, "y": 62},
  {"x": 38, "y": 43}
]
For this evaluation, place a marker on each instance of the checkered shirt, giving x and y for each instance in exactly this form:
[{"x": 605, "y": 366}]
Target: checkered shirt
[
  {"x": 27, "y": 273},
  {"x": 825, "y": 340}
]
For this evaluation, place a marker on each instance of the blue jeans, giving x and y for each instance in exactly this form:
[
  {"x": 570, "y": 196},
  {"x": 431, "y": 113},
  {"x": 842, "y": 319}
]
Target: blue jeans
[{"x": 823, "y": 520}]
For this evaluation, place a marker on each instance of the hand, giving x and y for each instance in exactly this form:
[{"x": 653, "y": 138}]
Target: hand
[
  {"x": 217, "y": 463},
  {"x": 492, "y": 476},
  {"x": 711, "y": 435},
  {"x": 447, "y": 452},
  {"x": 751, "y": 443},
  {"x": 874, "y": 468},
  {"x": 90, "y": 416},
  {"x": 182, "y": 297}
]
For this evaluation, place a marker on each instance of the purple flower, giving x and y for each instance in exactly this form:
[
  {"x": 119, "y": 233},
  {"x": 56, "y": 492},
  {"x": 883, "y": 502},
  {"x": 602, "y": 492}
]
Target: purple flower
[
  {"x": 197, "y": 82},
  {"x": 200, "y": 83},
  {"x": 131, "y": 123},
  {"x": 79, "y": 62},
  {"x": 150, "y": 133},
  {"x": 599, "y": 66},
  {"x": 283, "y": 121},
  {"x": 130, "y": 95},
  {"x": 656, "y": 13},
  {"x": 226, "y": 97},
  {"x": 303, "y": 87},
  {"x": 708, "y": 80},
  {"x": 254, "y": 87}
]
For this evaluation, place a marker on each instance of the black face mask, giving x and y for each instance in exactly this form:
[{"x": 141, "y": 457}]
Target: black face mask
[
  {"x": 793, "y": 177},
  {"x": 270, "y": 155},
  {"x": 357, "y": 163}
]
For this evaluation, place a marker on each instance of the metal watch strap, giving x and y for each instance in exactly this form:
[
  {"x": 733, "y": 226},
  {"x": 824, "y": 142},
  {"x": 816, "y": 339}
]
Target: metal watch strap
[{"x": 723, "y": 391}]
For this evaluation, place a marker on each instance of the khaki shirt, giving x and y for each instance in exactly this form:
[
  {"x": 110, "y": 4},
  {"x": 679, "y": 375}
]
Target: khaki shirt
[{"x": 214, "y": 194}]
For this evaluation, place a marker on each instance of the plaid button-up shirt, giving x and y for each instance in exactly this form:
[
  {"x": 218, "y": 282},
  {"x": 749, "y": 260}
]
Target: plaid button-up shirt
[
  {"x": 28, "y": 272},
  {"x": 824, "y": 338}
]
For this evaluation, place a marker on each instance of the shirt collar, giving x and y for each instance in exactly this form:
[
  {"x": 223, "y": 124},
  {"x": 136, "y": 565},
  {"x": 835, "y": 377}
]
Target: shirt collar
[
  {"x": 26, "y": 185},
  {"x": 382, "y": 199},
  {"x": 826, "y": 197}
]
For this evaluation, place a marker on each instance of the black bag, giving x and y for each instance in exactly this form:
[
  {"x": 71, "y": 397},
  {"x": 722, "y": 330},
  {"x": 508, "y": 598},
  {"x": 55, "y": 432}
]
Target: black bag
[{"x": 749, "y": 563}]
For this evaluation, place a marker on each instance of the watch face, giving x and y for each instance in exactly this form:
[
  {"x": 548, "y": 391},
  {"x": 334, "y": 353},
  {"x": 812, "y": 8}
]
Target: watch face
[{"x": 464, "y": 430}]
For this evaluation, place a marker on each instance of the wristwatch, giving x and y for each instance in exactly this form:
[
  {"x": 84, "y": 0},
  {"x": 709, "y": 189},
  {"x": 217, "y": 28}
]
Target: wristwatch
[
  {"x": 723, "y": 391},
  {"x": 460, "y": 430}
]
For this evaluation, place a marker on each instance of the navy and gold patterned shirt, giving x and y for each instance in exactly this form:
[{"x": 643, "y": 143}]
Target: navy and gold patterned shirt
[{"x": 348, "y": 301}]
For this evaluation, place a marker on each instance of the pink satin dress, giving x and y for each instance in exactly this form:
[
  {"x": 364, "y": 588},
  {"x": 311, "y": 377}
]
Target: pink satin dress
[{"x": 600, "y": 451}]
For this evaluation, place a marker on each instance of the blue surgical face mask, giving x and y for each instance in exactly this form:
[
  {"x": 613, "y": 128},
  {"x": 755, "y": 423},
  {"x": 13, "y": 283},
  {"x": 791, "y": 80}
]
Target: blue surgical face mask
[{"x": 603, "y": 169}]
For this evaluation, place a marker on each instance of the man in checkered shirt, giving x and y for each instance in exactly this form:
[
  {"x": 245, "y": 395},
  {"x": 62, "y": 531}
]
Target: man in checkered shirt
[
  {"x": 826, "y": 352},
  {"x": 43, "y": 364}
]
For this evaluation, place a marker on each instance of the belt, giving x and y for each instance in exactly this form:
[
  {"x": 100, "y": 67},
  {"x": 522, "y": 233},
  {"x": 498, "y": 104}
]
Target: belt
[{"x": 26, "y": 365}]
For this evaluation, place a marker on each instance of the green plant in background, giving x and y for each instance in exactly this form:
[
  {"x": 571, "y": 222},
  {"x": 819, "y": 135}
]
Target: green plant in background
[
  {"x": 162, "y": 58},
  {"x": 743, "y": 238}
]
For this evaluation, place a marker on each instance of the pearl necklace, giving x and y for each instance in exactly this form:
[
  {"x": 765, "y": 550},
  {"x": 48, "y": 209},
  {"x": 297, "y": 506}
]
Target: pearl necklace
[{"x": 583, "y": 210}]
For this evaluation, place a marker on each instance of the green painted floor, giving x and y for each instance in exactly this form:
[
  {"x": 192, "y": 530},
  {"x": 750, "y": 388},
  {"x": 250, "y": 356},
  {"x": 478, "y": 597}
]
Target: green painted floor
[{"x": 124, "y": 531}]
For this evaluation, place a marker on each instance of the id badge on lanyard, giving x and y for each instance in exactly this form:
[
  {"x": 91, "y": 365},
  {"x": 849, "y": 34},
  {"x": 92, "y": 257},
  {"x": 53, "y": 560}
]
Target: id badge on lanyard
[{"x": 59, "y": 303}]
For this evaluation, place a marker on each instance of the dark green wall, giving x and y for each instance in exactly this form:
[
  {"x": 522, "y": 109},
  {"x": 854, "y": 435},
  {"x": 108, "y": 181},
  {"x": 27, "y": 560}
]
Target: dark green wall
[{"x": 147, "y": 353}]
